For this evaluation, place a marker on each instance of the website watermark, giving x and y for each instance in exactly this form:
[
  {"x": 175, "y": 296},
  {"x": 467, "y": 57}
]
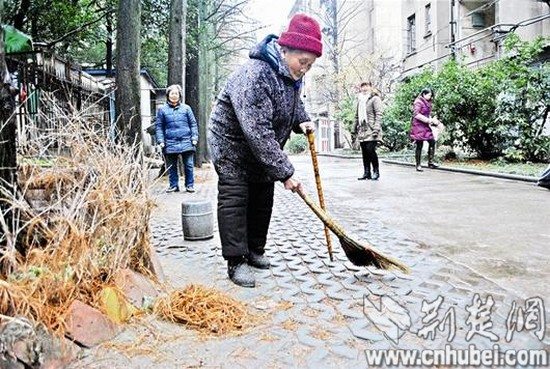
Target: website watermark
[
  {"x": 437, "y": 321},
  {"x": 457, "y": 357}
]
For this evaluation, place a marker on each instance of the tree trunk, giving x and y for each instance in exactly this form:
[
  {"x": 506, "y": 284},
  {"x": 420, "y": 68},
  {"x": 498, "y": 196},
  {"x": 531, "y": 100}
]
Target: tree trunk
[
  {"x": 176, "y": 45},
  {"x": 19, "y": 19},
  {"x": 109, "y": 44},
  {"x": 8, "y": 128},
  {"x": 206, "y": 61},
  {"x": 127, "y": 95},
  {"x": 192, "y": 78},
  {"x": 8, "y": 153}
]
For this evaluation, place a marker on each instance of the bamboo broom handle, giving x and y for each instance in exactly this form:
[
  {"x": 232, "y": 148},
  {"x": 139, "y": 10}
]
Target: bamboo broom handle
[
  {"x": 311, "y": 140},
  {"x": 321, "y": 214}
]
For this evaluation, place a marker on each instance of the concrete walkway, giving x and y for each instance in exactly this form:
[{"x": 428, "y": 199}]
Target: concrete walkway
[
  {"x": 458, "y": 233},
  {"x": 500, "y": 228}
]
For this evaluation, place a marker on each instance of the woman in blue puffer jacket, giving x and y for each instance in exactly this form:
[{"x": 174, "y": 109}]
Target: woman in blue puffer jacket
[{"x": 177, "y": 134}]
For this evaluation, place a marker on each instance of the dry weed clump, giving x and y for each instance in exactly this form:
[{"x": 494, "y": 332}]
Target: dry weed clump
[
  {"x": 79, "y": 218},
  {"x": 204, "y": 309},
  {"x": 81, "y": 213}
]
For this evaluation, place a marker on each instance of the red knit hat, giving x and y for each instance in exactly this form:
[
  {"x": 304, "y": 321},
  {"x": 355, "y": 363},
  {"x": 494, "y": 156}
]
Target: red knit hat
[{"x": 304, "y": 34}]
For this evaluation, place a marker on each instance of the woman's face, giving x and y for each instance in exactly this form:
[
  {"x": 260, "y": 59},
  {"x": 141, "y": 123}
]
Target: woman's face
[
  {"x": 174, "y": 96},
  {"x": 366, "y": 89},
  {"x": 428, "y": 96},
  {"x": 299, "y": 62}
]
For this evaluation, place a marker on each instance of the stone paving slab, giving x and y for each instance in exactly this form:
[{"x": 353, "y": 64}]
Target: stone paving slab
[{"x": 318, "y": 314}]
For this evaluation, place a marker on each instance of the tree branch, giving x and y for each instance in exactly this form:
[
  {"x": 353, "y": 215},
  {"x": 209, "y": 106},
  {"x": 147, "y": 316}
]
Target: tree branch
[
  {"x": 218, "y": 46},
  {"x": 78, "y": 29}
]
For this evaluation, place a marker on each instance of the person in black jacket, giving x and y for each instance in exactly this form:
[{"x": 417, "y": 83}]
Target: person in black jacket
[
  {"x": 177, "y": 134},
  {"x": 252, "y": 119}
]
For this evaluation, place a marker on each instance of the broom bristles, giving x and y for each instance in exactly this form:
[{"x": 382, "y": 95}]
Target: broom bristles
[
  {"x": 363, "y": 255},
  {"x": 358, "y": 253}
]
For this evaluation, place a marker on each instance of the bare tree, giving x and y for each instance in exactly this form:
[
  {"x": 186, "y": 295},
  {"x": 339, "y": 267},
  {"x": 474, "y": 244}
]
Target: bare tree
[
  {"x": 379, "y": 68},
  {"x": 128, "y": 72},
  {"x": 234, "y": 34},
  {"x": 217, "y": 30},
  {"x": 336, "y": 15}
]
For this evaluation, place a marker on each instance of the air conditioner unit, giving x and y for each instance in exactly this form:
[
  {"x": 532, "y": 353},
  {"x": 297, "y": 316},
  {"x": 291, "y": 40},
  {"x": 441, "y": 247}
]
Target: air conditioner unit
[{"x": 478, "y": 20}]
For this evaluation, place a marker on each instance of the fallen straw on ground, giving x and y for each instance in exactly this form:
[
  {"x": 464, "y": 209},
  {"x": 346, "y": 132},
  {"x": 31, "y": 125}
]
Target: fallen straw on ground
[{"x": 204, "y": 309}]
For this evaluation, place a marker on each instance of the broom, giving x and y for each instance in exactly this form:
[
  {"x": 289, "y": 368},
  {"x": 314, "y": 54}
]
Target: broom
[
  {"x": 360, "y": 254},
  {"x": 311, "y": 140}
]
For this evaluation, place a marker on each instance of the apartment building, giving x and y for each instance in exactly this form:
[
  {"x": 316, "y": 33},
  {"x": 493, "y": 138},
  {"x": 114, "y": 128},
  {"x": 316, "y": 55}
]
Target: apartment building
[
  {"x": 362, "y": 41},
  {"x": 471, "y": 30},
  {"x": 315, "y": 91}
]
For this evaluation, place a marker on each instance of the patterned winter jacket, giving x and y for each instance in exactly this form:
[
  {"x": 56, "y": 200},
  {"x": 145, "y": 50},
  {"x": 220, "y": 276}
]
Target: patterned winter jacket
[
  {"x": 253, "y": 117},
  {"x": 176, "y": 127}
]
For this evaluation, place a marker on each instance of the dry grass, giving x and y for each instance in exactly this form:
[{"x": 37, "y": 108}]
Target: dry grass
[
  {"x": 92, "y": 220},
  {"x": 82, "y": 213},
  {"x": 285, "y": 305},
  {"x": 204, "y": 309},
  {"x": 321, "y": 334},
  {"x": 290, "y": 325},
  {"x": 143, "y": 345}
]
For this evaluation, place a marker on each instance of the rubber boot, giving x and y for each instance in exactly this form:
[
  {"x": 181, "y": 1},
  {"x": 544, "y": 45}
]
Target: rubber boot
[
  {"x": 431, "y": 154},
  {"x": 258, "y": 261},
  {"x": 366, "y": 175},
  {"x": 418, "y": 158},
  {"x": 375, "y": 171}
]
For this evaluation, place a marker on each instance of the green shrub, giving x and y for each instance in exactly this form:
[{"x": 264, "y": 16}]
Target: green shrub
[
  {"x": 297, "y": 144},
  {"x": 397, "y": 115},
  {"x": 498, "y": 109}
]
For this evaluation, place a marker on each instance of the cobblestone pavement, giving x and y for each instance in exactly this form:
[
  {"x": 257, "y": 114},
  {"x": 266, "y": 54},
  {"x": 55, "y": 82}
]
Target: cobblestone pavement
[
  {"x": 497, "y": 227},
  {"x": 317, "y": 313}
]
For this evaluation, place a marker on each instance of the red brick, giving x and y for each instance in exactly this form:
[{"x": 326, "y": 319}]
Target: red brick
[
  {"x": 88, "y": 326},
  {"x": 135, "y": 286}
]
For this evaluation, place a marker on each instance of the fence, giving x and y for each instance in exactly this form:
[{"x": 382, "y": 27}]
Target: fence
[{"x": 48, "y": 83}]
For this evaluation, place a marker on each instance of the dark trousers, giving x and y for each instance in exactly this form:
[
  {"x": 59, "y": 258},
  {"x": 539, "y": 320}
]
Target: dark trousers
[
  {"x": 172, "y": 166},
  {"x": 244, "y": 212},
  {"x": 368, "y": 151},
  {"x": 431, "y": 151}
]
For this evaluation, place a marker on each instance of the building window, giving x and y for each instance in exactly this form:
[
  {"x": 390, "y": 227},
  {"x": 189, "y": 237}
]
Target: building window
[
  {"x": 428, "y": 13},
  {"x": 411, "y": 34}
]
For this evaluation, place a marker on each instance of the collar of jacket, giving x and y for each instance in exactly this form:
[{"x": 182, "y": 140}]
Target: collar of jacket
[
  {"x": 424, "y": 101},
  {"x": 268, "y": 52}
]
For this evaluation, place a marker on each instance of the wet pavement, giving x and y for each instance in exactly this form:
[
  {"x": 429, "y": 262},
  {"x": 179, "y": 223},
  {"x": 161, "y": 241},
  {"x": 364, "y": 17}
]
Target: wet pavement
[
  {"x": 498, "y": 227},
  {"x": 461, "y": 235}
]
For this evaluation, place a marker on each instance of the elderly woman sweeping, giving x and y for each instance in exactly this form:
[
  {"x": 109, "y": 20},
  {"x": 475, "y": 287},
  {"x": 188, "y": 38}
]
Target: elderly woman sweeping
[{"x": 252, "y": 119}]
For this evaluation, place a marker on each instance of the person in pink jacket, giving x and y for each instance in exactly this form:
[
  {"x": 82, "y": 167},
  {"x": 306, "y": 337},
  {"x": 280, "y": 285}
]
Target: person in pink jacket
[{"x": 421, "y": 127}]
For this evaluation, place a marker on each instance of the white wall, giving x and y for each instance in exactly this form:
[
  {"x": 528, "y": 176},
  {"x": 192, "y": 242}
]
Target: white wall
[{"x": 146, "y": 113}]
